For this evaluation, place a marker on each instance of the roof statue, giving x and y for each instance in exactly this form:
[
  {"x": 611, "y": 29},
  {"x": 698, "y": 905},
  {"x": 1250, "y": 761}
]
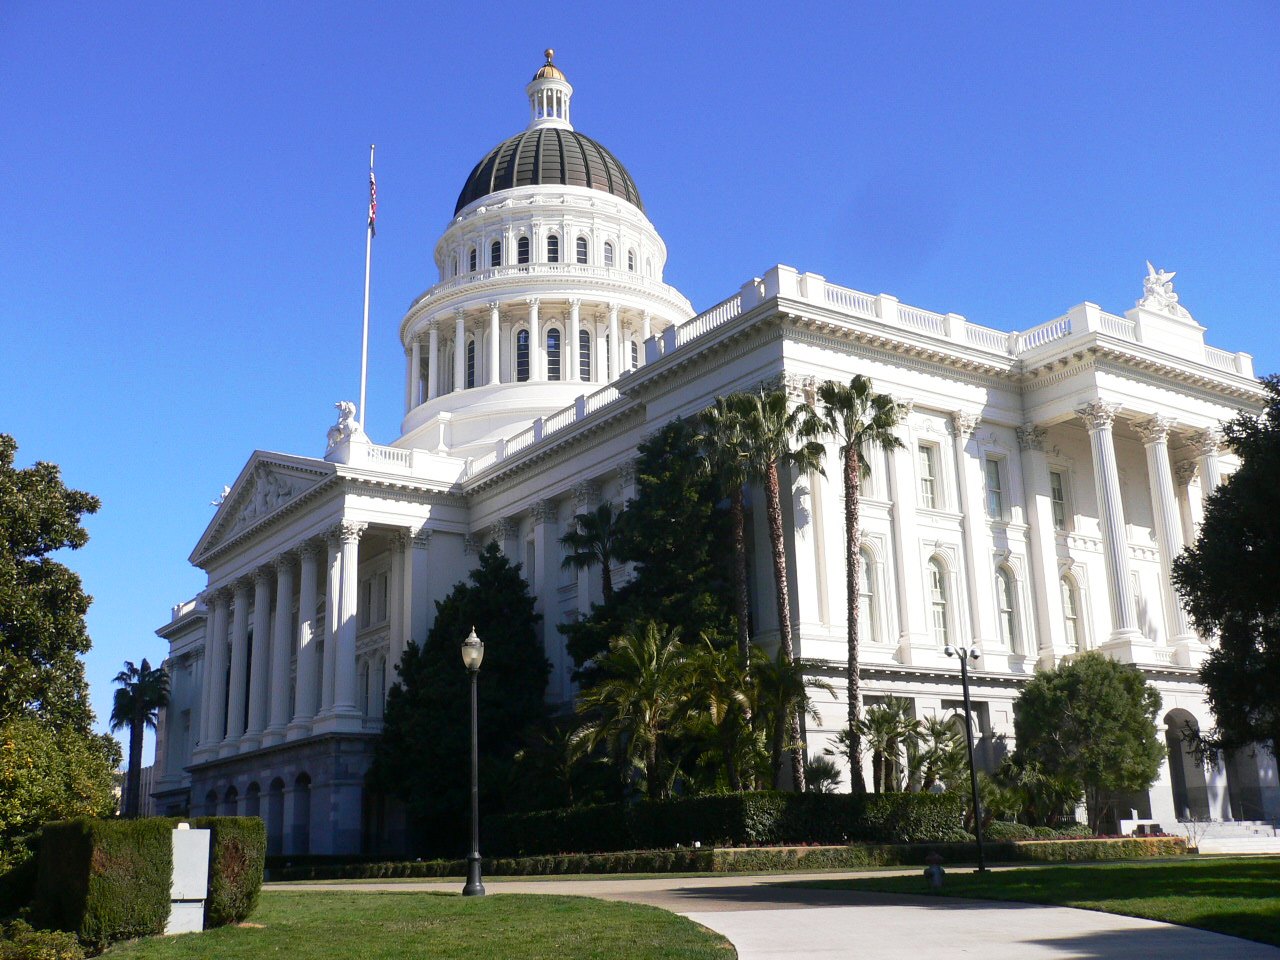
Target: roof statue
[{"x": 1157, "y": 292}]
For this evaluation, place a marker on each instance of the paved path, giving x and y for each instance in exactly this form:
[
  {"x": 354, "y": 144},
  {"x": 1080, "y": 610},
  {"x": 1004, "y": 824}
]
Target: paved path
[{"x": 766, "y": 920}]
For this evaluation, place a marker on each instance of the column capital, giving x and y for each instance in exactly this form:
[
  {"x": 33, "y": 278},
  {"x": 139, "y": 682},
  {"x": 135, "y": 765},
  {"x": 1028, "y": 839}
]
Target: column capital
[
  {"x": 1207, "y": 443},
  {"x": 1098, "y": 414},
  {"x": 586, "y": 493},
  {"x": 533, "y": 301},
  {"x": 265, "y": 574},
  {"x": 459, "y": 313},
  {"x": 1185, "y": 471},
  {"x": 575, "y": 303},
  {"x": 613, "y": 309},
  {"x": 243, "y": 585},
  {"x": 310, "y": 549},
  {"x": 1030, "y": 437},
  {"x": 493, "y": 304},
  {"x": 431, "y": 324},
  {"x": 544, "y": 511},
  {"x": 501, "y": 529},
  {"x": 963, "y": 423},
  {"x": 1154, "y": 429},
  {"x": 470, "y": 545},
  {"x": 214, "y": 596},
  {"x": 346, "y": 531},
  {"x": 627, "y": 471},
  {"x": 399, "y": 537},
  {"x": 284, "y": 562}
]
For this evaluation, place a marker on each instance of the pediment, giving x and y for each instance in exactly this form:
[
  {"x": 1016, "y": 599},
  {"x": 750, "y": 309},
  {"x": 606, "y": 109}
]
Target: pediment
[{"x": 266, "y": 486}]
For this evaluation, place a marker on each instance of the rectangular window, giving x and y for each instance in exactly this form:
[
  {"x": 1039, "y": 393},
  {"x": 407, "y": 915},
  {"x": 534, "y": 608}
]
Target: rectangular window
[
  {"x": 1058, "y": 497},
  {"x": 995, "y": 491},
  {"x": 928, "y": 476}
]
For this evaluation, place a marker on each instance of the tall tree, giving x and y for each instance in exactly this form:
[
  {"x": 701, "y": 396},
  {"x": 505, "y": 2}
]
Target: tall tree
[
  {"x": 857, "y": 418},
  {"x": 1227, "y": 582},
  {"x": 779, "y": 689},
  {"x": 423, "y": 755},
  {"x": 142, "y": 693},
  {"x": 1092, "y": 721},
  {"x": 42, "y": 604},
  {"x": 773, "y": 432},
  {"x": 592, "y": 541},
  {"x": 723, "y": 443}
]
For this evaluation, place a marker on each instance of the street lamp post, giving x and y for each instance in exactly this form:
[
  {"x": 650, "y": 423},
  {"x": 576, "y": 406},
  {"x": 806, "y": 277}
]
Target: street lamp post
[
  {"x": 472, "y": 655},
  {"x": 966, "y": 654}
]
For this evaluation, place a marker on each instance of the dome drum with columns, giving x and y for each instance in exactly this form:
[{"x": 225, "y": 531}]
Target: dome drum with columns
[{"x": 550, "y": 282}]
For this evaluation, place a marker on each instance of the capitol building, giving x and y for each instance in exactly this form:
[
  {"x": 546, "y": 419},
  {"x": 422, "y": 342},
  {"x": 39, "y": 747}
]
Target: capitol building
[{"x": 1048, "y": 477}]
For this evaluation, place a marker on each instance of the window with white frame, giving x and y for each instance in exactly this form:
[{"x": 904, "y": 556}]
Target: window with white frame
[
  {"x": 522, "y": 356},
  {"x": 1007, "y": 608},
  {"x": 453, "y": 267},
  {"x": 928, "y": 456},
  {"x": 608, "y": 254},
  {"x": 580, "y": 248},
  {"x": 635, "y": 355},
  {"x": 553, "y": 354},
  {"x": 584, "y": 354},
  {"x": 495, "y": 253},
  {"x": 472, "y": 260},
  {"x": 522, "y": 250},
  {"x": 866, "y": 600},
  {"x": 631, "y": 260},
  {"x": 471, "y": 363},
  {"x": 995, "y": 488},
  {"x": 1071, "y": 613},
  {"x": 553, "y": 248},
  {"x": 938, "y": 602},
  {"x": 1058, "y": 499}
]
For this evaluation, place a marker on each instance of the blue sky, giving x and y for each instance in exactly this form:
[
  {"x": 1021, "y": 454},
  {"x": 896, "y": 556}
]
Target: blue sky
[{"x": 182, "y": 237}]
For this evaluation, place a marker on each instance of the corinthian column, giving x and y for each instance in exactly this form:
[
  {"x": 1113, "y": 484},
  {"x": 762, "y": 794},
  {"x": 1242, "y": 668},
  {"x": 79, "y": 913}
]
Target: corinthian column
[
  {"x": 239, "y": 668},
  {"x": 213, "y": 714},
  {"x": 1155, "y": 438},
  {"x": 1208, "y": 443},
  {"x": 977, "y": 535},
  {"x": 433, "y": 359},
  {"x": 282, "y": 642},
  {"x": 260, "y": 658},
  {"x": 415, "y": 376},
  {"x": 537, "y": 351},
  {"x": 1044, "y": 550},
  {"x": 344, "y": 687},
  {"x": 615, "y": 343},
  {"x": 459, "y": 350},
  {"x": 495, "y": 341},
  {"x": 307, "y": 686},
  {"x": 573, "y": 346},
  {"x": 1098, "y": 416}
]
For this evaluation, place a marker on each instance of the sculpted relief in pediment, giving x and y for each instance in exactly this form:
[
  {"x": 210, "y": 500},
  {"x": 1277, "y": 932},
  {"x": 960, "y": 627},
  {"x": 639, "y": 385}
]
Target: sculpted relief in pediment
[{"x": 266, "y": 491}]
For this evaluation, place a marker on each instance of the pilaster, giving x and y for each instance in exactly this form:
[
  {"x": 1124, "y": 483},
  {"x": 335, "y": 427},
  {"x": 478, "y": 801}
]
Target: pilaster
[
  {"x": 1050, "y": 632},
  {"x": 977, "y": 536}
]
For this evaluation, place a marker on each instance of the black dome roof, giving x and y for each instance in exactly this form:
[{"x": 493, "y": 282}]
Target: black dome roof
[{"x": 548, "y": 155}]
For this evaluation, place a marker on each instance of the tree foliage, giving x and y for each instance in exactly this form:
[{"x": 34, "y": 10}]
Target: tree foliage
[
  {"x": 42, "y": 604},
  {"x": 142, "y": 693},
  {"x": 1091, "y": 721},
  {"x": 1227, "y": 581},
  {"x": 423, "y": 756}
]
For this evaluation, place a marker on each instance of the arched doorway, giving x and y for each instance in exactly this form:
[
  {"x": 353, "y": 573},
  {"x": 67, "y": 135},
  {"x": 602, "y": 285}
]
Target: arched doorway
[
  {"x": 210, "y": 804},
  {"x": 1186, "y": 774},
  {"x": 253, "y": 800},
  {"x": 275, "y": 818},
  {"x": 300, "y": 815},
  {"x": 231, "y": 802}
]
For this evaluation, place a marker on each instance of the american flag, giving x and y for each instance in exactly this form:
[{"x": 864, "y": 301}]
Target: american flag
[{"x": 373, "y": 204}]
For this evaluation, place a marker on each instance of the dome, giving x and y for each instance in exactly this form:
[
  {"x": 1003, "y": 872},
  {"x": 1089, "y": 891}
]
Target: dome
[
  {"x": 548, "y": 156},
  {"x": 549, "y": 71}
]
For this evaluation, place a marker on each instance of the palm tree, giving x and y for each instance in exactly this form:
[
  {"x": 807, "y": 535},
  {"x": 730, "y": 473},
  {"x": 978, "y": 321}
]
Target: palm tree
[
  {"x": 723, "y": 442},
  {"x": 592, "y": 538},
  {"x": 720, "y": 710},
  {"x": 773, "y": 437},
  {"x": 638, "y": 700},
  {"x": 780, "y": 688},
  {"x": 143, "y": 692},
  {"x": 857, "y": 418},
  {"x": 887, "y": 728},
  {"x": 936, "y": 754}
]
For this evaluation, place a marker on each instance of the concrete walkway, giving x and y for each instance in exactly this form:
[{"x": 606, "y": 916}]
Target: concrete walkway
[{"x": 766, "y": 920}]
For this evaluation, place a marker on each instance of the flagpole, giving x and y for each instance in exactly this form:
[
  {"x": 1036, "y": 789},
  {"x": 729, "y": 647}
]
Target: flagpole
[{"x": 368, "y": 255}]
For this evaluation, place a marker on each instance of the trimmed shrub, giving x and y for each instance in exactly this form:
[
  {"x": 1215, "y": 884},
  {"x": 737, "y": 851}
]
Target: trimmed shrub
[
  {"x": 1007, "y": 830},
  {"x": 729, "y": 820},
  {"x": 104, "y": 880},
  {"x": 18, "y": 941},
  {"x": 1077, "y": 831},
  {"x": 17, "y": 881},
  {"x": 237, "y": 855}
]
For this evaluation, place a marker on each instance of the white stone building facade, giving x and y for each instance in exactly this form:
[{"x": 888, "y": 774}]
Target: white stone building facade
[{"x": 1047, "y": 480}]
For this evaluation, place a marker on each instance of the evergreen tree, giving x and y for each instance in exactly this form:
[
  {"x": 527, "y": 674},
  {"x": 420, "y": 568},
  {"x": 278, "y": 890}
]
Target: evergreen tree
[
  {"x": 1227, "y": 581},
  {"x": 423, "y": 756}
]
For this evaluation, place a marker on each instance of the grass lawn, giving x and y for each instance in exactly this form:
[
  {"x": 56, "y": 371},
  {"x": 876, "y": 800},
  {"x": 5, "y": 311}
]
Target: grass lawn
[
  {"x": 318, "y": 926},
  {"x": 1236, "y": 896}
]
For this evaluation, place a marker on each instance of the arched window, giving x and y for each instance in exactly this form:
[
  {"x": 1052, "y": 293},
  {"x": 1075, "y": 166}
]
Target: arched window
[
  {"x": 580, "y": 248},
  {"x": 631, "y": 260},
  {"x": 522, "y": 356},
  {"x": 1007, "y": 609},
  {"x": 471, "y": 363},
  {"x": 553, "y": 249},
  {"x": 584, "y": 354},
  {"x": 495, "y": 253},
  {"x": 453, "y": 267},
  {"x": 553, "y": 354},
  {"x": 938, "y": 602},
  {"x": 473, "y": 260},
  {"x": 522, "y": 250},
  {"x": 608, "y": 254},
  {"x": 1071, "y": 614},
  {"x": 867, "y": 612},
  {"x": 635, "y": 355}
]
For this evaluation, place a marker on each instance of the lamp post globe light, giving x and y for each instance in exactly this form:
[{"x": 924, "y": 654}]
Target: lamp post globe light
[
  {"x": 966, "y": 654},
  {"x": 472, "y": 656}
]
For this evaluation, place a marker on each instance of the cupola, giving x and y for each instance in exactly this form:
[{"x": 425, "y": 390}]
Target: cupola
[{"x": 549, "y": 94}]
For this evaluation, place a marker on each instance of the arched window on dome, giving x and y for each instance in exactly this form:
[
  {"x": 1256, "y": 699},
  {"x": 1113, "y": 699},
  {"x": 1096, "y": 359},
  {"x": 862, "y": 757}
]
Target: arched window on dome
[
  {"x": 453, "y": 266},
  {"x": 495, "y": 253},
  {"x": 608, "y": 254},
  {"x": 581, "y": 249},
  {"x": 553, "y": 354},
  {"x": 474, "y": 260},
  {"x": 471, "y": 363},
  {"x": 631, "y": 260},
  {"x": 522, "y": 356},
  {"x": 553, "y": 248},
  {"x": 635, "y": 355},
  {"x": 522, "y": 250},
  {"x": 584, "y": 355}
]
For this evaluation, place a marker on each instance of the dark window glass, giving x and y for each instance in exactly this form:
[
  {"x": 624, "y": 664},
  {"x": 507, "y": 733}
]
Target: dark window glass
[
  {"x": 584, "y": 354},
  {"x": 582, "y": 249},
  {"x": 495, "y": 254},
  {"x": 553, "y": 354},
  {"x": 522, "y": 356},
  {"x": 553, "y": 249},
  {"x": 471, "y": 363},
  {"x": 522, "y": 250}
]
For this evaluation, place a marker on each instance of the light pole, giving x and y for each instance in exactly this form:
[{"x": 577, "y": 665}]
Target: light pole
[
  {"x": 472, "y": 655},
  {"x": 966, "y": 654}
]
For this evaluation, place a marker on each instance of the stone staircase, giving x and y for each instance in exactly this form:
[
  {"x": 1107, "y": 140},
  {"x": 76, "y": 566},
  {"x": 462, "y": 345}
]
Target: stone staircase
[{"x": 1240, "y": 836}]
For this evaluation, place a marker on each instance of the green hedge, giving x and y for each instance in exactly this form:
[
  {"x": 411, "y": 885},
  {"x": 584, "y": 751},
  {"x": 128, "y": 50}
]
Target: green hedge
[
  {"x": 18, "y": 941},
  {"x": 104, "y": 880},
  {"x": 729, "y": 820},
  {"x": 17, "y": 881},
  {"x": 747, "y": 859},
  {"x": 237, "y": 855}
]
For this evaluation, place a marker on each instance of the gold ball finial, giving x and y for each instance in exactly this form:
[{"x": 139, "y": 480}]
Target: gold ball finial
[{"x": 549, "y": 54}]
